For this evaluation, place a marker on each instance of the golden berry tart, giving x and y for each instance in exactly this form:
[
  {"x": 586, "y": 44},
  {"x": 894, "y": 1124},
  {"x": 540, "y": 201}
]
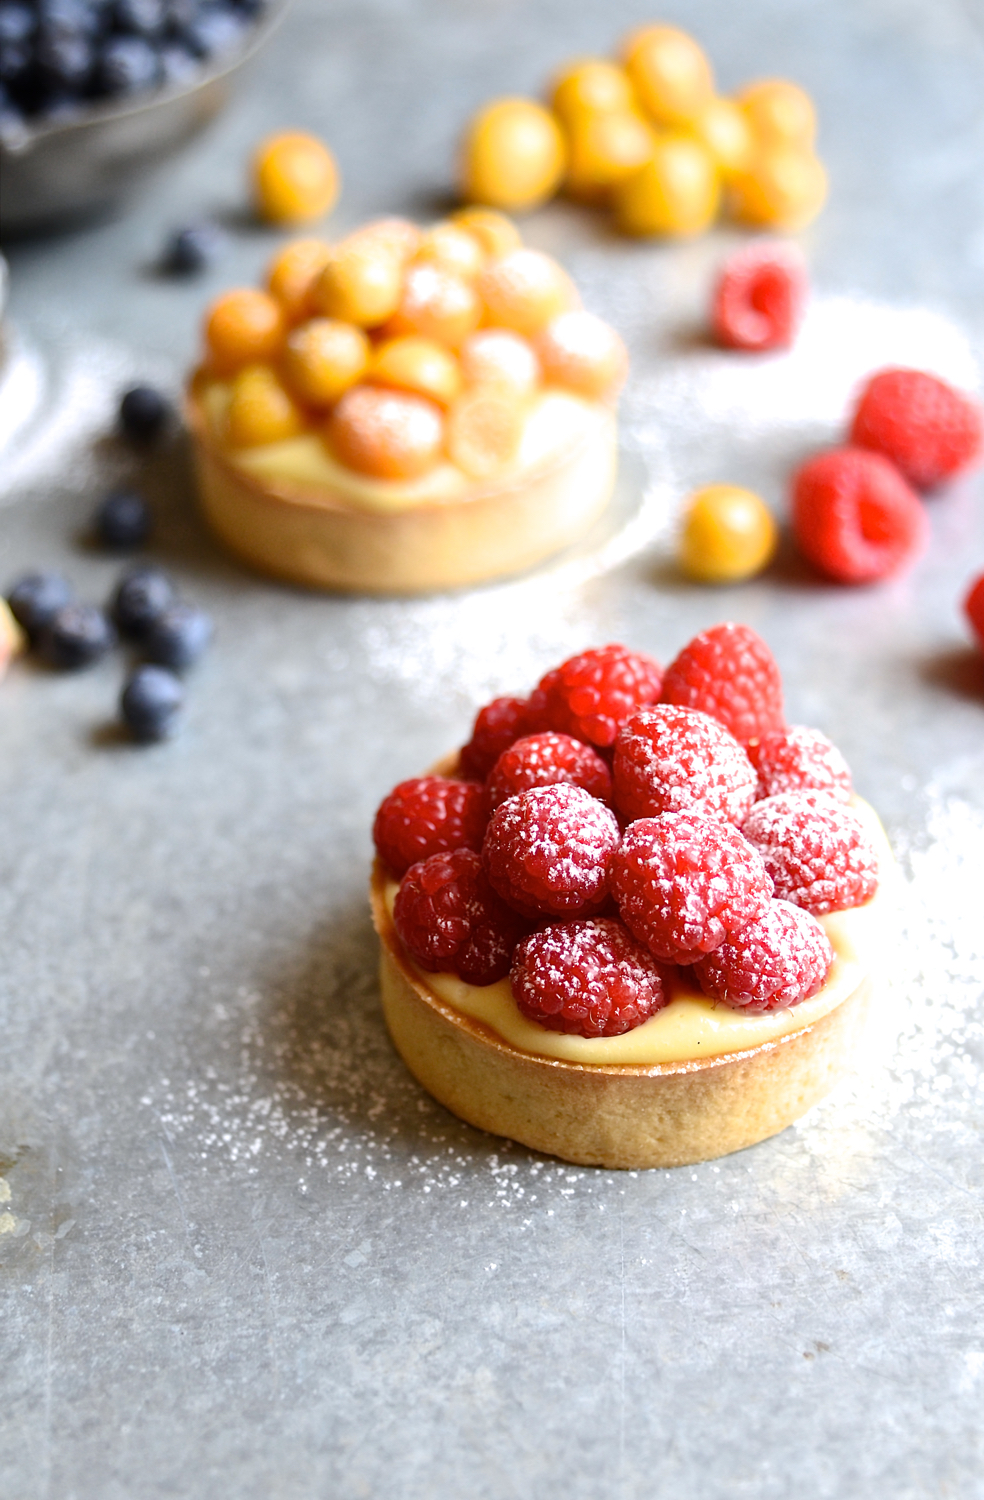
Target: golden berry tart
[
  {"x": 405, "y": 410},
  {"x": 635, "y": 922}
]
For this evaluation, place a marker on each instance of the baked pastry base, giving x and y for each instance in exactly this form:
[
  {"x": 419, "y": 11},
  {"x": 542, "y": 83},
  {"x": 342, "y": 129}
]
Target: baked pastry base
[
  {"x": 668, "y": 1115},
  {"x": 323, "y": 541}
]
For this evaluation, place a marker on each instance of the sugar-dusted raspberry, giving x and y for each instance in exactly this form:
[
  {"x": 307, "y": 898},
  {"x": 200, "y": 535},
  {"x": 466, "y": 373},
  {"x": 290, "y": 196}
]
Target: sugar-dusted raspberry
[
  {"x": 451, "y": 920},
  {"x": 776, "y": 961},
  {"x": 929, "y": 430},
  {"x": 684, "y": 884},
  {"x": 730, "y": 673},
  {"x": 428, "y": 815},
  {"x": 587, "y": 979},
  {"x": 498, "y": 725},
  {"x": 817, "y": 851},
  {"x": 589, "y": 695},
  {"x": 798, "y": 759},
  {"x": 547, "y": 759},
  {"x": 670, "y": 759},
  {"x": 974, "y": 609},
  {"x": 547, "y": 851},
  {"x": 760, "y": 297},
  {"x": 855, "y": 517}
]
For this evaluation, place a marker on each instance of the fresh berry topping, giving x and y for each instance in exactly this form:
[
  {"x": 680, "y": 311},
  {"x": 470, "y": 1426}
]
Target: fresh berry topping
[
  {"x": 544, "y": 760},
  {"x": 974, "y": 609},
  {"x": 122, "y": 520},
  {"x": 589, "y": 695},
  {"x": 142, "y": 595},
  {"x": 730, "y": 673},
  {"x": 760, "y": 297},
  {"x": 587, "y": 979},
  {"x": 429, "y": 815},
  {"x": 151, "y": 704},
  {"x": 192, "y": 249},
  {"x": 799, "y": 760},
  {"x": 776, "y": 961},
  {"x": 547, "y": 851},
  {"x": 855, "y": 517},
  {"x": 143, "y": 414},
  {"x": 179, "y": 637},
  {"x": 684, "y": 884},
  {"x": 35, "y": 598},
  {"x": 817, "y": 850},
  {"x": 498, "y": 725},
  {"x": 929, "y": 430},
  {"x": 450, "y": 919},
  {"x": 670, "y": 759},
  {"x": 76, "y": 636}
]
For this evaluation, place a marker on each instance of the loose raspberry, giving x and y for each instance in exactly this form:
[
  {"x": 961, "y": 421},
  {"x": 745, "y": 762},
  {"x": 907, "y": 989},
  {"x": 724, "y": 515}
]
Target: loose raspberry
[
  {"x": 670, "y": 759},
  {"x": 817, "y": 850},
  {"x": 451, "y": 920},
  {"x": 799, "y": 760},
  {"x": 760, "y": 297},
  {"x": 929, "y": 430},
  {"x": 684, "y": 884},
  {"x": 547, "y": 851},
  {"x": 589, "y": 695},
  {"x": 779, "y": 959},
  {"x": 855, "y": 517},
  {"x": 587, "y": 979},
  {"x": 545, "y": 760},
  {"x": 730, "y": 673},
  {"x": 974, "y": 609},
  {"x": 428, "y": 815},
  {"x": 498, "y": 725}
]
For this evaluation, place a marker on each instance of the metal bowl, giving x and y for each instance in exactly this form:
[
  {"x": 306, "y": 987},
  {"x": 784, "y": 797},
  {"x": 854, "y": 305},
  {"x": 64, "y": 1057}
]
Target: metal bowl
[{"x": 51, "y": 173}]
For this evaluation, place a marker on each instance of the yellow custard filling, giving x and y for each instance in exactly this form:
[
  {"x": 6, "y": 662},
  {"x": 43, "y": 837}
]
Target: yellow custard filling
[
  {"x": 557, "y": 422},
  {"x": 692, "y": 1026}
]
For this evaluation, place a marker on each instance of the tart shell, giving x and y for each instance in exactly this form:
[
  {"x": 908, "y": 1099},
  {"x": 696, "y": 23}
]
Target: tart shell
[
  {"x": 667, "y": 1115},
  {"x": 323, "y": 541}
]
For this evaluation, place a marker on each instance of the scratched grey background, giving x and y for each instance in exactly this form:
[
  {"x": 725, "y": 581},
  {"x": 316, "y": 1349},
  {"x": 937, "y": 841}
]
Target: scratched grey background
[{"x": 243, "y": 1255}]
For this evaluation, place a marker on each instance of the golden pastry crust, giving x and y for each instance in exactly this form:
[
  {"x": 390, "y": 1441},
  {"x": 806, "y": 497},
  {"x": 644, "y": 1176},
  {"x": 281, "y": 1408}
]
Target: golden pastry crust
[
  {"x": 323, "y": 541},
  {"x": 667, "y": 1115}
]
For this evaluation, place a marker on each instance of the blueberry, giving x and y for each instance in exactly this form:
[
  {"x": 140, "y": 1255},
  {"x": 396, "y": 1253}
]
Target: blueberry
[
  {"x": 214, "y": 31},
  {"x": 151, "y": 703},
  {"x": 64, "y": 61},
  {"x": 126, "y": 65},
  {"x": 123, "y": 520},
  {"x": 143, "y": 414},
  {"x": 70, "y": 17},
  {"x": 16, "y": 22},
  {"x": 179, "y": 67},
  {"x": 251, "y": 8},
  {"x": 76, "y": 636},
  {"x": 35, "y": 598},
  {"x": 179, "y": 637},
  {"x": 15, "y": 59},
  {"x": 191, "y": 249},
  {"x": 145, "y": 18},
  {"x": 142, "y": 596}
]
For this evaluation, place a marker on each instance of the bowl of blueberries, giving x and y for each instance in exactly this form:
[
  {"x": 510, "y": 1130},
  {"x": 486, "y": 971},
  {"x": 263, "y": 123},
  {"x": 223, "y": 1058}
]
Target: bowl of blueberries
[{"x": 95, "y": 93}]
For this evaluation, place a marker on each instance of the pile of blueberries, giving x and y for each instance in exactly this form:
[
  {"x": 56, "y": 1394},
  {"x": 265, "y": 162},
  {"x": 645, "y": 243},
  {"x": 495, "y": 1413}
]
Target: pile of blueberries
[{"x": 57, "y": 55}]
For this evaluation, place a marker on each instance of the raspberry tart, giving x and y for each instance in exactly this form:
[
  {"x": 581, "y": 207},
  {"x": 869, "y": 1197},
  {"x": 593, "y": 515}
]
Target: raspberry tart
[
  {"x": 634, "y": 923},
  {"x": 406, "y": 410}
]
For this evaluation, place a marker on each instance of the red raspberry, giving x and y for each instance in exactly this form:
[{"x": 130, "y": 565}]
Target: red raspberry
[
  {"x": 974, "y": 609},
  {"x": 671, "y": 759},
  {"x": 545, "y": 760},
  {"x": 760, "y": 297},
  {"x": 929, "y": 430},
  {"x": 778, "y": 960},
  {"x": 730, "y": 673},
  {"x": 587, "y": 979},
  {"x": 855, "y": 517},
  {"x": 450, "y": 919},
  {"x": 428, "y": 815},
  {"x": 799, "y": 760},
  {"x": 498, "y": 725},
  {"x": 685, "y": 883},
  {"x": 546, "y": 851},
  {"x": 817, "y": 851},
  {"x": 589, "y": 695}
]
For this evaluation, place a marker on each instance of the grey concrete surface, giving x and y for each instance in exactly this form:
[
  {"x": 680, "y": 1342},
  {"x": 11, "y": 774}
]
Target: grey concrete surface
[{"x": 243, "y": 1254}]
